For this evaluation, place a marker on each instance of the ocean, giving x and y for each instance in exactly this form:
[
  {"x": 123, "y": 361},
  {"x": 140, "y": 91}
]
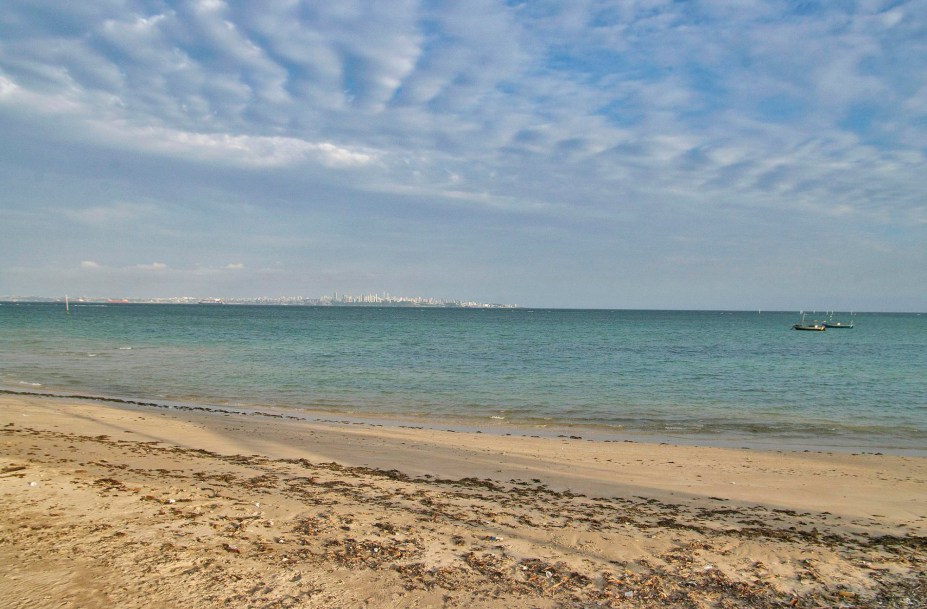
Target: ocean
[{"x": 696, "y": 377}]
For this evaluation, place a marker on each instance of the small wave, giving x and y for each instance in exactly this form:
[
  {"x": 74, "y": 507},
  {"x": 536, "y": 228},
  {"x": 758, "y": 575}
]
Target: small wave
[
  {"x": 693, "y": 427},
  {"x": 30, "y": 384},
  {"x": 498, "y": 418},
  {"x": 91, "y": 355},
  {"x": 125, "y": 348}
]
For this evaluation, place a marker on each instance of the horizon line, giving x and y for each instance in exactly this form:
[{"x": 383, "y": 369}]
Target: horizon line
[{"x": 444, "y": 304}]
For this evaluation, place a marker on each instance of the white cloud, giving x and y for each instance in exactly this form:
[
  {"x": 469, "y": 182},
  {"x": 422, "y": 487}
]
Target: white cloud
[
  {"x": 7, "y": 87},
  {"x": 89, "y": 264},
  {"x": 210, "y": 5},
  {"x": 256, "y": 151},
  {"x": 154, "y": 266},
  {"x": 507, "y": 114},
  {"x": 113, "y": 214},
  {"x": 234, "y": 266}
]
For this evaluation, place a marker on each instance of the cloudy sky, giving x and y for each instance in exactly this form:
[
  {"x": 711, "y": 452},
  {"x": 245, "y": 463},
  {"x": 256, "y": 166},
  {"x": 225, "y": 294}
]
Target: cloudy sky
[{"x": 641, "y": 153}]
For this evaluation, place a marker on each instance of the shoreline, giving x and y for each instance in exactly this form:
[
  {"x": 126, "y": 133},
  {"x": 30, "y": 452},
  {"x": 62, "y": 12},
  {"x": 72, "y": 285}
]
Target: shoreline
[
  {"x": 136, "y": 506},
  {"x": 502, "y": 426}
]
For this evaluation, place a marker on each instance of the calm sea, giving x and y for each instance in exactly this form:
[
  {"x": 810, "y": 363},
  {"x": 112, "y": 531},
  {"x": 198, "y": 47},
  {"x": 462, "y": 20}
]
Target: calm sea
[{"x": 723, "y": 378}]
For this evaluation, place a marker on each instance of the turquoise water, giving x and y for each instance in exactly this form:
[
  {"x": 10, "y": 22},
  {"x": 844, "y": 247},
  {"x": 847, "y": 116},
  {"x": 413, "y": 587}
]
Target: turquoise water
[{"x": 741, "y": 378}]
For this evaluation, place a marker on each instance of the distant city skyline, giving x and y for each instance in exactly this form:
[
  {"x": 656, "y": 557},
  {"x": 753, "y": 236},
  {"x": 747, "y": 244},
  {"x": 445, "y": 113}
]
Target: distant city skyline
[
  {"x": 331, "y": 299},
  {"x": 370, "y": 299},
  {"x": 591, "y": 154}
]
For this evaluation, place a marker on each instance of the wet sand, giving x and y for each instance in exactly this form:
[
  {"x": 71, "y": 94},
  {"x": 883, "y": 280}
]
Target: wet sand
[{"x": 135, "y": 506}]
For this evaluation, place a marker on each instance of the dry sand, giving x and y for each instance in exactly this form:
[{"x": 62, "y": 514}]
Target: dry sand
[{"x": 128, "y": 506}]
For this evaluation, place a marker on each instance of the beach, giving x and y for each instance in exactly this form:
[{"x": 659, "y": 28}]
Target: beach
[{"x": 121, "y": 505}]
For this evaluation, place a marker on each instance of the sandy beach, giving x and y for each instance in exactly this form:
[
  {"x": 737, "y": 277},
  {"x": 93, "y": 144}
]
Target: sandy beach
[{"x": 116, "y": 505}]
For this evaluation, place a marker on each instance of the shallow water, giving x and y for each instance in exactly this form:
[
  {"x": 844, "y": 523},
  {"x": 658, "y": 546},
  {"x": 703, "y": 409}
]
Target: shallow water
[{"x": 741, "y": 378}]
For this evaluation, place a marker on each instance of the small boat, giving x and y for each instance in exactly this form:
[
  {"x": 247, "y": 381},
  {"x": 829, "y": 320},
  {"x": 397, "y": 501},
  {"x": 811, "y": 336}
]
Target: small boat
[
  {"x": 832, "y": 323},
  {"x": 815, "y": 326}
]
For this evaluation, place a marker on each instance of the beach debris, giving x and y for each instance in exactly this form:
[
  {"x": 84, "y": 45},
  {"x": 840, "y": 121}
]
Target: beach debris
[
  {"x": 392, "y": 529},
  {"x": 110, "y": 484},
  {"x": 371, "y": 554}
]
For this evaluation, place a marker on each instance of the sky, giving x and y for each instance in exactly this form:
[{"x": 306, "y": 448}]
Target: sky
[{"x": 735, "y": 154}]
